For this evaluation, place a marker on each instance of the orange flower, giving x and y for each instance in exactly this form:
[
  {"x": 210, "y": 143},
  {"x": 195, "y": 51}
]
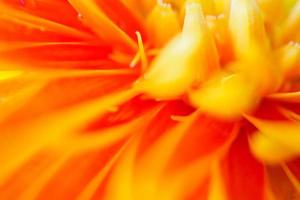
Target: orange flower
[{"x": 145, "y": 99}]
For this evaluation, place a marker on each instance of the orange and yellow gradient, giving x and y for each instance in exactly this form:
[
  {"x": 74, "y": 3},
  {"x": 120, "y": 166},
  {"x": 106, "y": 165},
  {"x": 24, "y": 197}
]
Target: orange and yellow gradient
[{"x": 150, "y": 99}]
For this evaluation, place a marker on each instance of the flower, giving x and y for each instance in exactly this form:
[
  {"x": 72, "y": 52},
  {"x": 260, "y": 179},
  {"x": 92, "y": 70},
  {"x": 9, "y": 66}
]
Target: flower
[{"x": 138, "y": 100}]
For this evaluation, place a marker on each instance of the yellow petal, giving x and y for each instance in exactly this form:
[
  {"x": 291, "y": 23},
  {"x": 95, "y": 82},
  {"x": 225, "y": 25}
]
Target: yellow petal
[
  {"x": 273, "y": 10},
  {"x": 189, "y": 58},
  {"x": 268, "y": 150},
  {"x": 276, "y": 141},
  {"x": 222, "y": 6},
  {"x": 227, "y": 96},
  {"x": 291, "y": 24},
  {"x": 289, "y": 57},
  {"x": 163, "y": 16},
  {"x": 5, "y": 75},
  {"x": 246, "y": 26}
]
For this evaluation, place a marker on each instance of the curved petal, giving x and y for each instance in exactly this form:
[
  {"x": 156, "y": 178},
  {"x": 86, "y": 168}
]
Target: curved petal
[{"x": 281, "y": 136}]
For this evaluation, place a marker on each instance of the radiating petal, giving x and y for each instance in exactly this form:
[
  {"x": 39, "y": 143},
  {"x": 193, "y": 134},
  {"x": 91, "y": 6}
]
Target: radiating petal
[
  {"x": 102, "y": 24},
  {"x": 22, "y": 18},
  {"x": 244, "y": 176}
]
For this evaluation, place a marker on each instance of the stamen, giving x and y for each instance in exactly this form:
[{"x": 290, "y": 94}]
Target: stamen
[
  {"x": 137, "y": 57},
  {"x": 142, "y": 52},
  {"x": 135, "y": 60}
]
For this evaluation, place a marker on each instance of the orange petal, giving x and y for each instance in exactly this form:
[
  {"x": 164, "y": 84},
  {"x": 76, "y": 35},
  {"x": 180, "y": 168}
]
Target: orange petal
[
  {"x": 103, "y": 25},
  {"x": 244, "y": 176}
]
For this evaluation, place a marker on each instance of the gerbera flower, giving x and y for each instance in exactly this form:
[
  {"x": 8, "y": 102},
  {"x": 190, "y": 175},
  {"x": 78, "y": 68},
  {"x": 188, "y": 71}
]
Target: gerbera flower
[{"x": 146, "y": 99}]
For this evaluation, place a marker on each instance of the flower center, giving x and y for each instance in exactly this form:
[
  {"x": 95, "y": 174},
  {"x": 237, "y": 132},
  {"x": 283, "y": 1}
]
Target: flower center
[{"x": 221, "y": 64}]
